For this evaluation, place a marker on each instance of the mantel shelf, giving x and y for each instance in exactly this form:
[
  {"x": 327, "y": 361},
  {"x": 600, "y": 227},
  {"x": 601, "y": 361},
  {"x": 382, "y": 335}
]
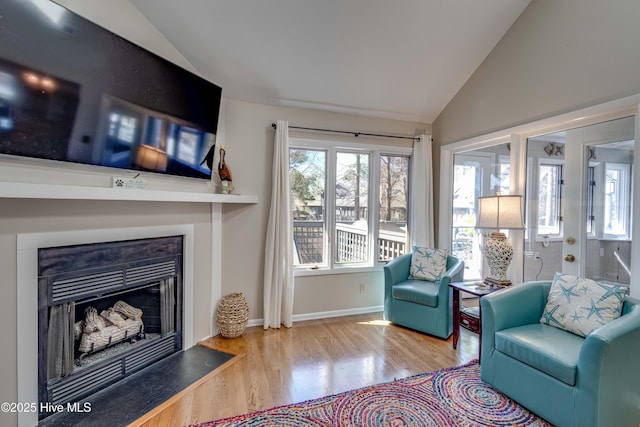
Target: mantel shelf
[{"x": 19, "y": 190}]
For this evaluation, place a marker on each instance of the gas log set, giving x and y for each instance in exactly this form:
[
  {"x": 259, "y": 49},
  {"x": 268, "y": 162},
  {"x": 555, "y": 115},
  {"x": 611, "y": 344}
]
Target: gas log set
[{"x": 116, "y": 324}]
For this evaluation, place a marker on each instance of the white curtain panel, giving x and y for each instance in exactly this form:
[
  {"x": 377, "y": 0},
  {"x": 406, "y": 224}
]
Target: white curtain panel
[
  {"x": 278, "y": 262},
  {"x": 422, "y": 193}
]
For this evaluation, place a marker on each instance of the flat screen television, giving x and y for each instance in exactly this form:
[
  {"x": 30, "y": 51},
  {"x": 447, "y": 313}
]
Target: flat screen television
[{"x": 74, "y": 92}]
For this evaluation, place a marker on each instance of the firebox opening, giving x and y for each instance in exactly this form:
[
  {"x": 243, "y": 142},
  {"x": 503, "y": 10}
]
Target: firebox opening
[
  {"x": 106, "y": 311},
  {"x": 112, "y": 324}
]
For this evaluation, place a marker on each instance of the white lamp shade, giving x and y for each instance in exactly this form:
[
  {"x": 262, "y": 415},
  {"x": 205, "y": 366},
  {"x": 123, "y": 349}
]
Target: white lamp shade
[{"x": 500, "y": 212}]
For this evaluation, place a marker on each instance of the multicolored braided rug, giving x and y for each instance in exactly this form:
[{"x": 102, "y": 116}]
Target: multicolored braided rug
[{"x": 450, "y": 397}]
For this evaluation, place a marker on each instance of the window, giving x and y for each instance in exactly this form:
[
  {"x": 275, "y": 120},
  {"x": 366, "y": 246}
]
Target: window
[
  {"x": 394, "y": 206},
  {"x": 616, "y": 200},
  {"x": 505, "y": 175},
  {"x": 333, "y": 190},
  {"x": 307, "y": 179},
  {"x": 549, "y": 199},
  {"x": 352, "y": 213}
]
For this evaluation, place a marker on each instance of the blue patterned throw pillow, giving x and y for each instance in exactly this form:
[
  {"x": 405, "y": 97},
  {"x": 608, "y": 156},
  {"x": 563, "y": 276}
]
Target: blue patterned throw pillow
[
  {"x": 580, "y": 305},
  {"x": 427, "y": 263}
]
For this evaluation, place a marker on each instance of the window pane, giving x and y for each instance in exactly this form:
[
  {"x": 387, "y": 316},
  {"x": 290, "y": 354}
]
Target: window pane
[
  {"x": 611, "y": 201},
  {"x": 616, "y": 199},
  {"x": 549, "y": 199},
  {"x": 307, "y": 177},
  {"x": 394, "y": 202},
  {"x": 505, "y": 174},
  {"x": 352, "y": 195},
  {"x": 468, "y": 180}
]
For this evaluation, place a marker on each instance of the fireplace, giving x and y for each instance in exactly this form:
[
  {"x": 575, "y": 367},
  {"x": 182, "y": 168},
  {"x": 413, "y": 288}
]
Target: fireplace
[
  {"x": 194, "y": 327},
  {"x": 105, "y": 311}
]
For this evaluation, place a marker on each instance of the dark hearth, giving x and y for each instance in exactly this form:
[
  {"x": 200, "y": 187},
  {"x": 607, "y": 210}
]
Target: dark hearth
[
  {"x": 106, "y": 311},
  {"x": 131, "y": 398}
]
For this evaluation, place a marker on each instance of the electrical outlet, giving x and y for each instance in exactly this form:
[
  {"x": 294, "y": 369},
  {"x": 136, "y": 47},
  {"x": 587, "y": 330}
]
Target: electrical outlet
[{"x": 362, "y": 288}]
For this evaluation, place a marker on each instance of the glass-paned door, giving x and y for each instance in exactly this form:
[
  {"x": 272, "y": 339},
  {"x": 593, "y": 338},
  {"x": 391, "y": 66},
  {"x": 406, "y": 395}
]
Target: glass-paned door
[
  {"x": 579, "y": 202},
  {"x": 477, "y": 173}
]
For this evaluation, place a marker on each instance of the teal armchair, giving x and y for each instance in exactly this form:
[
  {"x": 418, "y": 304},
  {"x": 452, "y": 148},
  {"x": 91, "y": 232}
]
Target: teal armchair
[
  {"x": 420, "y": 304},
  {"x": 566, "y": 379}
]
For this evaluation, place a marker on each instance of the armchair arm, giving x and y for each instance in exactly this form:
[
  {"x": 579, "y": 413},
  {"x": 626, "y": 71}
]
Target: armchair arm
[
  {"x": 397, "y": 270},
  {"x": 607, "y": 374},
  {"x": 622, "y": 333},
  {"x": 455, "y": 271},
  {"x": 514, "y": 306}
]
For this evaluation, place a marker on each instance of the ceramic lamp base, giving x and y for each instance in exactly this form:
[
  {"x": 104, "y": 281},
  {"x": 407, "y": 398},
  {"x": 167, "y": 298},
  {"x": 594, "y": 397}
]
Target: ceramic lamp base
[{"x": 498, "y": 252}]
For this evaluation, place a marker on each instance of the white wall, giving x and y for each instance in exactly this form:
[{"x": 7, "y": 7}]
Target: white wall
[
  {"x": 122, "y": 18},
  {"x": 559, "y": 56}
]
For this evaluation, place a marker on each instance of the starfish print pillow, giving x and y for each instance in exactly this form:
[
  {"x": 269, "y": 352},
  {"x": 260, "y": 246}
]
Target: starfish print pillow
[
  {"x": 427, "y": 263},
  {"x": 579, "y": 305}
]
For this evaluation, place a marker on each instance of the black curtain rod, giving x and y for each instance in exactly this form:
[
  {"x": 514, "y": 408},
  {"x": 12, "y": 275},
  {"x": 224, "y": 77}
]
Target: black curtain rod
[{"x": 356, "y": 134}]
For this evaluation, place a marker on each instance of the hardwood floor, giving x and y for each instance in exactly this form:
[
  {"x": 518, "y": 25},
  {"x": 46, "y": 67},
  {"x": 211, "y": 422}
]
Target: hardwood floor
[{"x": 312, "y": 359}]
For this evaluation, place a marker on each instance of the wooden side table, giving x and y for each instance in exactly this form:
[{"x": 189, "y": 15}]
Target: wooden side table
[{"x": 469, "y": 317}]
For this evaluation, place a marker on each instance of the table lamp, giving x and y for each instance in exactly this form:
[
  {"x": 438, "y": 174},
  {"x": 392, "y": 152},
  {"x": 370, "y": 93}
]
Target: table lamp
[{"x": 499, "y": 213}]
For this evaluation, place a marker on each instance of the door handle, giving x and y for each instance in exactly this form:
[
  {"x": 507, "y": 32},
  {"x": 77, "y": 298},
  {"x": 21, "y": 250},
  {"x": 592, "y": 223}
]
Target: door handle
[{"x": 569, "y": 258}]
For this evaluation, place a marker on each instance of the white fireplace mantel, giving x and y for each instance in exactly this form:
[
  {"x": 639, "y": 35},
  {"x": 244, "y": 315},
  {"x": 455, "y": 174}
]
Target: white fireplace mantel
[{"x": 22, "y": 190}]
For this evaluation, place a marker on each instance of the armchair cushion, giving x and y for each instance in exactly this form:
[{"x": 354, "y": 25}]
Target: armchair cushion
[
  {"x": 427, "y": 263},
  {"x": 550, "y": 350},
  {"x": 580, "y": 305},
  {"x": 418, "y": 291}
]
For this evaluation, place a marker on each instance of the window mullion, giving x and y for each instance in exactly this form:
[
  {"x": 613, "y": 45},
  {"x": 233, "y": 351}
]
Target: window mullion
[
  {"x": 330, "y": 200},
  {"x": 374, "y": 208}
]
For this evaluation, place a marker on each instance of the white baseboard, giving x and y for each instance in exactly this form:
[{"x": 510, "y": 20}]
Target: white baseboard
[{"x": 324, "y": 314}]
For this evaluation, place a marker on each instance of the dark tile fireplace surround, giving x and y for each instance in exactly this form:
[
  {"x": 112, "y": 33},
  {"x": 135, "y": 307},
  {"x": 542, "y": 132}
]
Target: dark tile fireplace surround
[{"x": 82, "y": 285}]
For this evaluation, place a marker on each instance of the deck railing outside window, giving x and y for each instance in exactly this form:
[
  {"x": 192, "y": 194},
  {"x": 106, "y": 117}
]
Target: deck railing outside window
[{"x": 351, "y": 243}]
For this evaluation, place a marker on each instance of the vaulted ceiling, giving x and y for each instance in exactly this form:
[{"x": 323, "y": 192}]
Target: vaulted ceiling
[{"x": 393, "y": 59}]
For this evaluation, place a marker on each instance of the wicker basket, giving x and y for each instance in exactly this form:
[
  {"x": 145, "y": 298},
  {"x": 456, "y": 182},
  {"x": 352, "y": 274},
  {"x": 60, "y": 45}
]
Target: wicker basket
[{"x": 232, "y": 315}]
